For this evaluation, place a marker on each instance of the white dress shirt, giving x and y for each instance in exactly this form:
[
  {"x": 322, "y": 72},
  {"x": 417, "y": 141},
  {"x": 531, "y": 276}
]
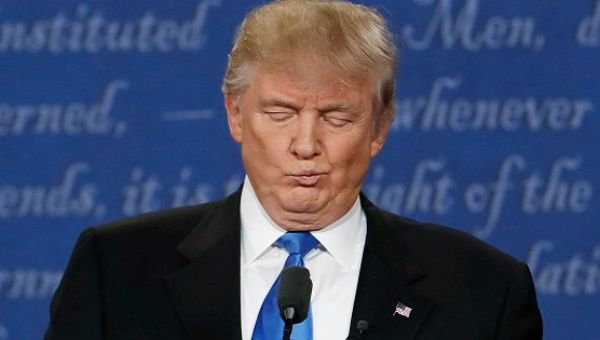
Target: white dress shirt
[{"x": 334, "y": 266}]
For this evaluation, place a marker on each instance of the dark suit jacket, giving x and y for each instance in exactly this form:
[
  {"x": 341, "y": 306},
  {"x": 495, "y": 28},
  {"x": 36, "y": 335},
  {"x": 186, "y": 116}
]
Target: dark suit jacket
[{"x": 176, "y": 275}]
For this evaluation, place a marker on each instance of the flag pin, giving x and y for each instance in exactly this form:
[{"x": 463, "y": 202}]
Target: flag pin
[{"x": 403, "y": 310}]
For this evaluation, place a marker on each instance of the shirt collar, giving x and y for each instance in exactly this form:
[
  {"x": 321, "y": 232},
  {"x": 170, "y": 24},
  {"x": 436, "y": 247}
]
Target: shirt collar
[
  {"x": 344, "y": 239},
  {"x": 259, "y": 231}
]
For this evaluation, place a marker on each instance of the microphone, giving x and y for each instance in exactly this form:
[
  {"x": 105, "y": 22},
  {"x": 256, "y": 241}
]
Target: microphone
[
  {"x": 361, "y": 327},
  {"x": 294, "y": 297}
]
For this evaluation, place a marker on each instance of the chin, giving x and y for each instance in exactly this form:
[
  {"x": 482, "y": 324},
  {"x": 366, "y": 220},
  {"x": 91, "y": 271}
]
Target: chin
[
  {"x": 303, "y": 207},
  {"x": 305, "y": 202}
]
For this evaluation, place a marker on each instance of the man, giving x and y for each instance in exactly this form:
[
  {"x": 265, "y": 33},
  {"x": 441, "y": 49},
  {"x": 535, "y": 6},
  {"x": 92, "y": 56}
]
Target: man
[{"x": 309, "y": 97}]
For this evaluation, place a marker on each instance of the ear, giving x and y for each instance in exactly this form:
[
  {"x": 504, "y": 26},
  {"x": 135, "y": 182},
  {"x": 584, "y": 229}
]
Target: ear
[
  {"x": 377, "y": 141},
  {"x": 234, "y": 116}
]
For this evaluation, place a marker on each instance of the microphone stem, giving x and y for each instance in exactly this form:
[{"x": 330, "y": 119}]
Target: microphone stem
[{"x": 287, "y": 329}]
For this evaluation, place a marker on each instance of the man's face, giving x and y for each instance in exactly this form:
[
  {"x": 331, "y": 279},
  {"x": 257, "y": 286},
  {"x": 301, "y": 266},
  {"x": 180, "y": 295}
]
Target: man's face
[{"x": 307, "y": 140}]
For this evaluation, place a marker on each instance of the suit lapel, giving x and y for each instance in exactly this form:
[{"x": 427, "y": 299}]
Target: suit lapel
[
  {"x": 386, "y": 276},
  {"x": 206, "y": 290}
]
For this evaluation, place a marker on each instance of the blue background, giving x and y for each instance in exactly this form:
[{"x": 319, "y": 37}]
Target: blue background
[{"x": 164, "y": 140}]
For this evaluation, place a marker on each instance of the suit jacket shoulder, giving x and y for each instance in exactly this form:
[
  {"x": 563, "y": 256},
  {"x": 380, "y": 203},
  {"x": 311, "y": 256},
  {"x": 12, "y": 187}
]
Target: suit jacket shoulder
[
  {"x": 158, "y": 223},
  {"x": 458, "y": 286},
  {"x": 162, "y": 275}
]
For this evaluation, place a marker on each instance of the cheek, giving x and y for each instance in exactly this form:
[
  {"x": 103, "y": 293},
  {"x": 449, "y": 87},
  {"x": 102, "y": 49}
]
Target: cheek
[
  {"x": 264, "y": 146},
  {"x": 351, "y": 157}
]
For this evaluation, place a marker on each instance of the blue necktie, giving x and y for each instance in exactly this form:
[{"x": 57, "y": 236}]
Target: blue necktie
[{"x": 269, "y": 325}]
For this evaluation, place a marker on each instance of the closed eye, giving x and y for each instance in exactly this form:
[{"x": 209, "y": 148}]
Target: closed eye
[
  {"x": 278, "y": 116},
  {"x": 337, "y": 119}
]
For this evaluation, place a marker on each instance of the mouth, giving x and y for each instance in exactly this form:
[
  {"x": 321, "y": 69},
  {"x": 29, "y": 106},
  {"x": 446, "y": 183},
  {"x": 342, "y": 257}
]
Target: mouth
[{"x": 308, "y": 179}]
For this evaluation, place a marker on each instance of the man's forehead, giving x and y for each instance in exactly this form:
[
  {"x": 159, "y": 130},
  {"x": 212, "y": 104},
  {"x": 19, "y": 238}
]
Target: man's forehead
[
  {"x": 327, "y": 95},
  {"x": 315, "y": 67},
  {"x": 317, "y": 79}
]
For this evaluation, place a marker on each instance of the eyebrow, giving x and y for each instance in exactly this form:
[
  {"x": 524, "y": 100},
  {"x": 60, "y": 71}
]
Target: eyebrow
[
  {"x": 278, "y": 102},
  {"x": 330, "y": 107},
  {"x": 338, "y": 106}
]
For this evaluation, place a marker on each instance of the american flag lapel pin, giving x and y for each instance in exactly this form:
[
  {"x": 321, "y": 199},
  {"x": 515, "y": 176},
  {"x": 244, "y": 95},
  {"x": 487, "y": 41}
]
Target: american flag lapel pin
[{"x": 402, "y": 309}]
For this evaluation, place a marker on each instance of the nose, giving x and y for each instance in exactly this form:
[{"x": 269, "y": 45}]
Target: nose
[{"x": 306, "y": 139}]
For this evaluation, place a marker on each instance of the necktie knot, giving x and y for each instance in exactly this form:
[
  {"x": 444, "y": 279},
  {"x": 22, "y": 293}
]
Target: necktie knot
[{"x": 297, "y": 242}]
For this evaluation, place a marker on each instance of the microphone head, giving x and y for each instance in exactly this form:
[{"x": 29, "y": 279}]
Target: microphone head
[
  {"x": 294, "y": 292},
  {"x": 362, "y": 326}
]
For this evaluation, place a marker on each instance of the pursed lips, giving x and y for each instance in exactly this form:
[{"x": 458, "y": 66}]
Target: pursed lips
[{"x": 308, "y": 177}]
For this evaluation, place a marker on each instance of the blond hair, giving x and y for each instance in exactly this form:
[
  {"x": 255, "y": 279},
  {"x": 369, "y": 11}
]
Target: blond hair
[{"x": 349, "y": 36}]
